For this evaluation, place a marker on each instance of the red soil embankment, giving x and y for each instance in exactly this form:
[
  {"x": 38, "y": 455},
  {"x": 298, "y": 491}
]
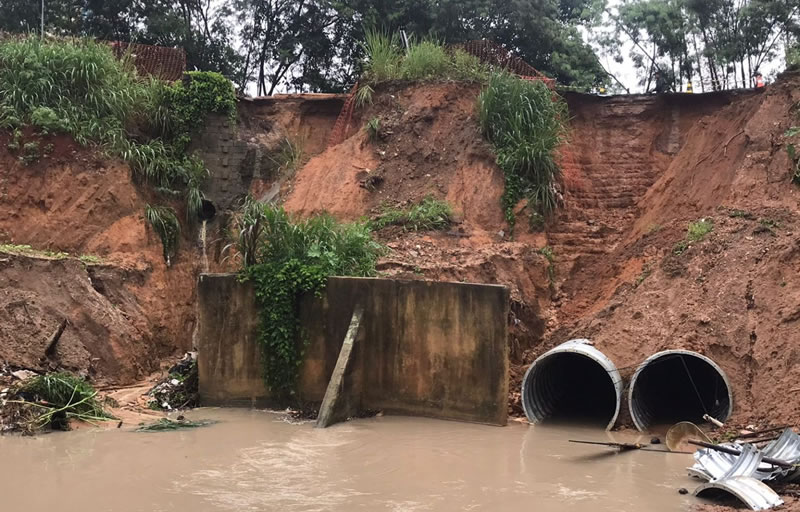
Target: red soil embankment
[{"x": 644, "y": 167}]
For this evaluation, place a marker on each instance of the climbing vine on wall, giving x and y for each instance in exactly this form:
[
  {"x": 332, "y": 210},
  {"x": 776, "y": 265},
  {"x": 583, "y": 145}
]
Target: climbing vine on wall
[{"x": 288, "y": 259}]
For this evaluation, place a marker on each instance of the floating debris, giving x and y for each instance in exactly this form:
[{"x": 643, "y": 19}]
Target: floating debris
[{"x": 166, "y": 424}]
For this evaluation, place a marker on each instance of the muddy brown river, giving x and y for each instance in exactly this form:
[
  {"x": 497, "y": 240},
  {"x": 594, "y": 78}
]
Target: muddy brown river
[{"x": 255, "y": 461}]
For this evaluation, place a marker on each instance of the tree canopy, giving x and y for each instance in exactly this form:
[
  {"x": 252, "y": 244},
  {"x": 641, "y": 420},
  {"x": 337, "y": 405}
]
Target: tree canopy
[
  {"x": 315, "y": 45},
  {"x": 718, "y": 43}
]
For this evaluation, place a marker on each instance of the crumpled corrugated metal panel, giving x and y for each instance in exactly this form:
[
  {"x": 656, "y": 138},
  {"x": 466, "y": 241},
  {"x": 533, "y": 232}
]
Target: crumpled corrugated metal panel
[
  {"x": 752, "y": 492},
  {"x": 786, "y": 447},
  {"x": 712, "y": 464}
]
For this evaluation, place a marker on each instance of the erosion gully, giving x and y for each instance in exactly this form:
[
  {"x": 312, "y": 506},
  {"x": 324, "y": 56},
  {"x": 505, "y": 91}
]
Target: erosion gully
[{"x": 257, "y": 461}]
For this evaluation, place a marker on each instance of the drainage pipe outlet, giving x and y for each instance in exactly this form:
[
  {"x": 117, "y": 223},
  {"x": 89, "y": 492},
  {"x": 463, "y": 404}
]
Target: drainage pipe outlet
[
  {"x": 573, "y": 382},
  {"x": 678, "y": 385}
]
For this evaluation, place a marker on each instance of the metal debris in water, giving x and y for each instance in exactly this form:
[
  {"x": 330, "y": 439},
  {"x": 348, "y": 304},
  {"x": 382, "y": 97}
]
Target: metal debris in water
[{"x": 743, "y": 475}]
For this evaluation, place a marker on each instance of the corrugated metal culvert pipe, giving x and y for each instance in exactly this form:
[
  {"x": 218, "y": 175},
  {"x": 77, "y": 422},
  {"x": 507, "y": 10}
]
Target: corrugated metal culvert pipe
[
  {"x": 678, "y": 385},
  {"x": 573, "y": 382}
]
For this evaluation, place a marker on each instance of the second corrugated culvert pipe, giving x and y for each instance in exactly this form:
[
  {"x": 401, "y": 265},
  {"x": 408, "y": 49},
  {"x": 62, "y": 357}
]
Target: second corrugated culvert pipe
[
  {"x": 574, "y": 382},
  {"x": 678, "y": 385}
]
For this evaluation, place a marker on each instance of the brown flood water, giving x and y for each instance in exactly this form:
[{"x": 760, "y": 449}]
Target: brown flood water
[{"x": 255, "y": 461}]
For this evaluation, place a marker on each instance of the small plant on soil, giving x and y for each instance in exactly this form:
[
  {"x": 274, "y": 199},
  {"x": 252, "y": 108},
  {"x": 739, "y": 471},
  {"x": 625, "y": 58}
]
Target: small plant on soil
[
  {"x": 550, "y": 256},
  {"x": 696, "y": 232},
  {"x": 50, "y": 401},
  {"x": 468, "y": 67},
  {"x": 740, "y": 214},
  {"x": 90, "y": 259},
  {"x": 293, "y": 258},
  {"x": 373, "y": 129},
  {"x": 426, "y": 215},
  {"x": 524, "y": 121},
  {"x": 364, "y": 96},
  {"x": 165, "y": 223},
  {"x": 30, "y": 153},
  {"x": 647, "y": 269}
]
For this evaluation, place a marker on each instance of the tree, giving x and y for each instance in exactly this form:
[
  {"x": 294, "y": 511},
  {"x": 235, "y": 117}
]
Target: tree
[{"x": 724, "y": 41}]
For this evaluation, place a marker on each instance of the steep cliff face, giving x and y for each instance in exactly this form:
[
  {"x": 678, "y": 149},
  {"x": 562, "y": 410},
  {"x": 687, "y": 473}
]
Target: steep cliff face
[
  {"x": 640, "y": 169},
  {"x": 126, "y": 308}
]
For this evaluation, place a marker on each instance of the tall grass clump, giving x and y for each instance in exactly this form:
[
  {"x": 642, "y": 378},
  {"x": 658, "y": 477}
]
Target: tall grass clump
[
  {"x": 426, "y": 60},
  {"x": 165, "y": 223},
  {"x": 383, "y": 56},
  {"x": 525, "y": 122},
  {"x": 288, "y": 259}
]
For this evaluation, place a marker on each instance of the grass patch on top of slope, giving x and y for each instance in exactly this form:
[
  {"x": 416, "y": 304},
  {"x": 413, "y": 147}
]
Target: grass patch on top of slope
[
  {"x": 426, "y": 215},
  {"x": 426, "y": 59}
]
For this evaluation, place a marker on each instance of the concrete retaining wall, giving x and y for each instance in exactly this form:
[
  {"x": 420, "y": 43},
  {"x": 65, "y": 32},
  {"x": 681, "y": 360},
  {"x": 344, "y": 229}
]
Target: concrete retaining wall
[{"x": 424, "y": 348}]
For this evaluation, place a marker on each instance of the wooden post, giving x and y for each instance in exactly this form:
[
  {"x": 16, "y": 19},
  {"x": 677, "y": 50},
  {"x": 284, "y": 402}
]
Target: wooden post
[{"x": 332, "y": 399}]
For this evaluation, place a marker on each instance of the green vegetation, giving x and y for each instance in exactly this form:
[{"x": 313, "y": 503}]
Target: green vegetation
[
  {"x": 525, "y": 123},
  {"x": 699, "y": 229},
  {"x": 718, "y": 44},
  {"x": 550, "y": 256},
  {"x": 290, "y": 157},
  {"x": 165, "y": 223},
  {"x": 794, "y": 155},
  {"x": 52, "y": 400},
  {"x": 373, "y": 128},
  {"x": 286, "y": 259},
  {"x": 793, "y": 58},
  {"x": 647, "y": 269},
  {"x": 696, "y": 232},
  {"x": 426, "y": 215},
  {"x": 27, "y": 250},
  {"x": 740, "y": 214},
  {"x": 364, "y": 96},
  {"x": 79, "y": 88},
  {"x": 166, "y": 425},
  {"x": 427, "y": 59},
  {"x": 90, "y": 259}
]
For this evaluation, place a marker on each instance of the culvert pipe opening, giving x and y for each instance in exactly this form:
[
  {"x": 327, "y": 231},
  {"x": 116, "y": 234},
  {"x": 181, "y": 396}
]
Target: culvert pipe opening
[
  {"x": 678, "y": 385},
  {"x": 573, "y": 383}
]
